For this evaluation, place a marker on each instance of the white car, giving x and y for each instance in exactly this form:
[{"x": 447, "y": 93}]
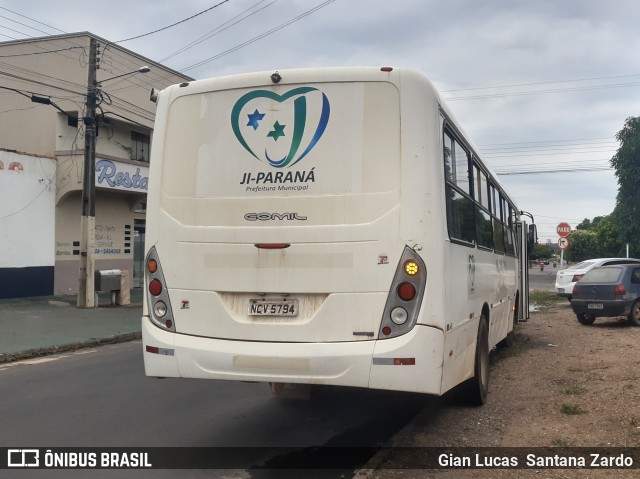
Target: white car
[{"x": 566, "y": 279}]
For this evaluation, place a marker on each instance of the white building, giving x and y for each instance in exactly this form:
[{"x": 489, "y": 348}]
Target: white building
[{"x": 43, "y": 87}]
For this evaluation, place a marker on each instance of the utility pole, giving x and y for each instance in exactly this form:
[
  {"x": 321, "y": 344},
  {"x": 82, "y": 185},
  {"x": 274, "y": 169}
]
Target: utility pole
[{"x": 86, "y": 291}]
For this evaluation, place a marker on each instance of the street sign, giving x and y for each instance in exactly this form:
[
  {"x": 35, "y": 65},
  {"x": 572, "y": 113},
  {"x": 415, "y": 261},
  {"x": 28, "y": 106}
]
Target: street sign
[
  {"x": 563, "y": 230},
  {"x": 563, "y": 243}
]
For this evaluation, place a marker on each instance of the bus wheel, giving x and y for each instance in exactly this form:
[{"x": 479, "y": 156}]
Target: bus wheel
[
  {"x": 585, "y": 319},
  {"x": 478, "y": 386}
]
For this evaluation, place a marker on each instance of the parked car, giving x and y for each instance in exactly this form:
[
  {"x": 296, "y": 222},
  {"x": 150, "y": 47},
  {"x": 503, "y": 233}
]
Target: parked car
[
  {"x": 608, "y": 291},
  {"x": 566, "y": 278}
]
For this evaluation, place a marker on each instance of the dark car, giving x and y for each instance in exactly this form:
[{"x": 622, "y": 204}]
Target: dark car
[{"x": 608, "y": 291}]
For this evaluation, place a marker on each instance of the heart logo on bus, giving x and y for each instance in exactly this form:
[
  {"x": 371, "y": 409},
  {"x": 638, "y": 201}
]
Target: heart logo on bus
[{"x": 286, "y": 127}]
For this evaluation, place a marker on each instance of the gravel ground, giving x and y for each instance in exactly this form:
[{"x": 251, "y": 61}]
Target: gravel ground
[{"x": 559, "y": 385}]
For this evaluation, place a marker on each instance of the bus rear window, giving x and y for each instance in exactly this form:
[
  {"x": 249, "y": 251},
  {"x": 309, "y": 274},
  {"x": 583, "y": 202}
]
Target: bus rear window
[{"x": 311, "y": 140}]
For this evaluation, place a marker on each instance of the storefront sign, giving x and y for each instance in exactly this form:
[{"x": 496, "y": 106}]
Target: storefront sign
[{"x": 121, "y": 176}]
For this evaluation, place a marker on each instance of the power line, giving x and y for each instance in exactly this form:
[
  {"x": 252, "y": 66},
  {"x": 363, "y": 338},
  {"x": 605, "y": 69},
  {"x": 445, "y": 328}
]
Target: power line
[
  {"x": 53, "y": 42},
  {"x": 219, "y": 29},
  {"x": 28, "y": 80},
  {"x": 14, "y": 30},
  {"x": 544, "y": 141},
  {"x": 553, "y": 170},
  {"x": 541, "y": 83},
  {"x": 545, "y": 153},
  {"x": 555, "y": 163},
  {"x": 540, "y": 92},
  {"x": 24, "y": 25},
  {"x": 40, "y": 53},
  {"x": 546, "y": 147},
  {"x": 172, "y": 25},
  {"x": 259, "y": 37},
  {"x": 28, "y": 18}
]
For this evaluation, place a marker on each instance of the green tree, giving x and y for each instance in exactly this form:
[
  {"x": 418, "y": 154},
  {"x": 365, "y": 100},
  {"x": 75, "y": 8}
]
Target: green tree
[
  {"x": 588, "y": 224},
  {"x": 626, "y": 162},
  {"x": 583, "y": 244},
  {"x": 541, "y": 251},
  {"x": 608, "y": 234}
]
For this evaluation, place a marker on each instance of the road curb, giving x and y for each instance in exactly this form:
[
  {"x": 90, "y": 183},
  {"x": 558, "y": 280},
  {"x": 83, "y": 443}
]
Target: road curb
[{"x": 47, "y": 351}]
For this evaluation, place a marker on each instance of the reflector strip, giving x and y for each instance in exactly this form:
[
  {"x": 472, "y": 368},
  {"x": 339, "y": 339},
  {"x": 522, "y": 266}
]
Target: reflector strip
[
  {"x": 404, "y": 361},
  {"x": 394, "y": 361},
  {"x": 161, "y": 351}
]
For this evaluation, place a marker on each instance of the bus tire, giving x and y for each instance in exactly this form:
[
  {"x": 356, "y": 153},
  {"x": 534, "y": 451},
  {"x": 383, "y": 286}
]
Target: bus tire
[
  {"x": 585, "y": 319},
  {"x": 478, "y": 386}
]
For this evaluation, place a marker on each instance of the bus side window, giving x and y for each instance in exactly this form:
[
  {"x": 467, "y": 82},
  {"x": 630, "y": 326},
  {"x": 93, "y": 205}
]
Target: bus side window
[
  {"x": 509, "y": 241},
  {"x": 484, "y": 232},
  {"x": 460, "y": 205},
  {"x": 496, "y": 211}
]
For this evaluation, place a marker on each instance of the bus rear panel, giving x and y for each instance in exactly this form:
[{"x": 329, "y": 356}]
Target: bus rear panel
[{"x": 288, "y": 237}]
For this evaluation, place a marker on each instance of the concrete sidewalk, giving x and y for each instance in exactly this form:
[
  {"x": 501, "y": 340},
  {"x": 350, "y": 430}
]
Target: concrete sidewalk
[{"x": 31, "y": 327}]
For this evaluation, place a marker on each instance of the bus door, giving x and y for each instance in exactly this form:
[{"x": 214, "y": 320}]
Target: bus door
[{"x": 523, "y": 273}]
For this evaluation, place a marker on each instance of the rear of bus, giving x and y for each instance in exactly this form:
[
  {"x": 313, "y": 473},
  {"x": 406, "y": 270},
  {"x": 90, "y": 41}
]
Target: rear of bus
[{"x": 276, "y": 250}]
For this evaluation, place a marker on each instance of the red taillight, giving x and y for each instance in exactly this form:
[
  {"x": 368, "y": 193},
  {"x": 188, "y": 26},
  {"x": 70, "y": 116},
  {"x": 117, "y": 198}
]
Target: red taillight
[
  {"x": 157, "y": 295},
  {"x": 405, "y": 295},
  {"x": 575, "y": 291},
  {"x": 406, "y": 291},
  {"x": 155, "y": 287},
  {"x": 576, "y": 277},
  {"x": 619, "y": 290}
]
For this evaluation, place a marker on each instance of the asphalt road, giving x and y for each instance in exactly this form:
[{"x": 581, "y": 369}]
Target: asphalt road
[
  {"x": 542, "y": 280},
  {"x": 101, "y": 398}
]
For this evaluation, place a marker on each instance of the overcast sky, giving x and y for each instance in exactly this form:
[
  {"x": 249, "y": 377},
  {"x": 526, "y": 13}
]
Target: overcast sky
[{"x": 538, "y": 85}]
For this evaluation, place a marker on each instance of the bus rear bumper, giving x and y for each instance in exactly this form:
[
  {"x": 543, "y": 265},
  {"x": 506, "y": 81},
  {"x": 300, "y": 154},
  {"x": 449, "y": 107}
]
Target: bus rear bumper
[{"x": 412, "y": 362}]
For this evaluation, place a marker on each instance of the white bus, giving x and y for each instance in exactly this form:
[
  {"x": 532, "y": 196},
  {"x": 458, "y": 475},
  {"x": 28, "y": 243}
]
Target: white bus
[{"x": 326, "y": 227}]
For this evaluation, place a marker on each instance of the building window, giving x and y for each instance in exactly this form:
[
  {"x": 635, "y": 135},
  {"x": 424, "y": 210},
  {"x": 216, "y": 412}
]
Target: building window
[
  {"x": 140, "y": 146},
  {"x": 72, "y": 120}
]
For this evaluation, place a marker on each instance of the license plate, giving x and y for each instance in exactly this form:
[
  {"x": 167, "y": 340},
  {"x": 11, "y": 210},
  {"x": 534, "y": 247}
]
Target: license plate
[
  {"x": 560, "y": 290},
  {"x": 595, "y": 306},
  {"x": 284, "y": 307}
]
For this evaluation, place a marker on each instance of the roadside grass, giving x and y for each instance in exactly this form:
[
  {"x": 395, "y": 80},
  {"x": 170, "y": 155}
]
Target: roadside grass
[
  {"x": 575, "y": 390},
  {"x": 572, "y": 410},
  {"x": 635, "y": 424},
  {"x": 561, "y": 442},
  {"x": 518, "y": 344},
  {"x": 545, "y": 298},
  {"x": 519, "y": 341}
]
